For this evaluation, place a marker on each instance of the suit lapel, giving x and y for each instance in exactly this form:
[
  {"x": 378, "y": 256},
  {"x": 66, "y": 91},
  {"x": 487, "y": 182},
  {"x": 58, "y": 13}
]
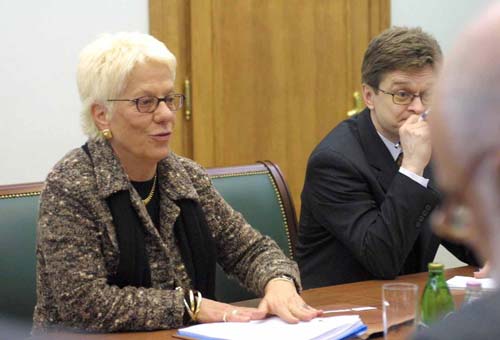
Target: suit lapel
[{"x": 376, "y": 152}]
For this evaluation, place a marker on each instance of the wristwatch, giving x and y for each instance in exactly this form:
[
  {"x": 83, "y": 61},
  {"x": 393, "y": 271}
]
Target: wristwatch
[{"x": 287, "y": 278}]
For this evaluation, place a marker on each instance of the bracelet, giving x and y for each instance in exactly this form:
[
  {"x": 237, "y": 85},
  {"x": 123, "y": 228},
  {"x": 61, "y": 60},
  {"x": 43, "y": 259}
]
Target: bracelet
[{"x": 193, "y": 306}]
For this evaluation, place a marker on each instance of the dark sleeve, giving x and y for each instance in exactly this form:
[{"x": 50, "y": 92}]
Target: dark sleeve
[
  {"x": 477, "y": 320},
  {"x": 379, "y": 236}
]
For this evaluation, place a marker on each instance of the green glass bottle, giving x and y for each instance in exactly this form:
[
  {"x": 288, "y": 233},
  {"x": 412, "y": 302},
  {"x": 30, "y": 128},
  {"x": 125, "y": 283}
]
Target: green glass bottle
[{"x": 437, "y": 301}]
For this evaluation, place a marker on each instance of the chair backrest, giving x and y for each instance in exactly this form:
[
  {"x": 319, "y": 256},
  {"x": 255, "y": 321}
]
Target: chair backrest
[
  {"x": 258, "y": 191},
  {"x": 18, "y": 219}
]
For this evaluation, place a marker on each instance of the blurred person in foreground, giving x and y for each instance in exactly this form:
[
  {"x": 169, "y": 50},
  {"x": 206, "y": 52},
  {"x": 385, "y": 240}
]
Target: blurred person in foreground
[
  {"x": 129, "y": 232},
  {"x": 465, "y": 127}
]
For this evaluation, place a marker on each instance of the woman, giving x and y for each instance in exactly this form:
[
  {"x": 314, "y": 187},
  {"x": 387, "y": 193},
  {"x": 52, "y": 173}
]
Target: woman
[{"x": 129, "y": 232}]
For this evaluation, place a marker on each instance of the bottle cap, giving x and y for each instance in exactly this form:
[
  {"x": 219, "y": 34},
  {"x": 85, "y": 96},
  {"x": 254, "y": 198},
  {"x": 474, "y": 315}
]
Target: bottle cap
[
  {"x": 436, "y": 266},
  {"x": 473, "y": 284}
]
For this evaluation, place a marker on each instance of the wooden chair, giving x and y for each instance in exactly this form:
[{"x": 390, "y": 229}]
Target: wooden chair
[{"x": 258, "y": 191}]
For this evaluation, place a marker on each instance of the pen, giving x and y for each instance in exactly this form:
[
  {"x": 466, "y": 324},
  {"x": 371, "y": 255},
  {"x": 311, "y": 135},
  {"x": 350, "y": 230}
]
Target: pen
[
  {"x": 177, "y": 336},
  {"x": 423, "y": 115},
  {"x": 355, "y": 309}
]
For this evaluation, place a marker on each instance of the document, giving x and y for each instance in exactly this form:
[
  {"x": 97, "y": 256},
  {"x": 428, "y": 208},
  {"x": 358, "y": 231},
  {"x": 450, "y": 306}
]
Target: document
[
  {"x": 331, "y": 328},
  {"x": 460, "y": 282}
]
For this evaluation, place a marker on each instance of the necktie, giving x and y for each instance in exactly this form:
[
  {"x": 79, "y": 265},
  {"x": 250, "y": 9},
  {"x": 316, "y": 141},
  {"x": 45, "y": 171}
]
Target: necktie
[{"x": 399, "y": 160}]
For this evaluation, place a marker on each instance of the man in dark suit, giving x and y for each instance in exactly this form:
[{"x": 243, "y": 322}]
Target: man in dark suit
[
  {"x": 364, "y": 215},
  {"x": 465, "y": 130}
]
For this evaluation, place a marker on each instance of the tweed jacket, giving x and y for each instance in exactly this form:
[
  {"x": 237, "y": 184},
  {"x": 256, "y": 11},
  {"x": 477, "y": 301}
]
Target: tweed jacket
[{"x": 77, "y": 246}]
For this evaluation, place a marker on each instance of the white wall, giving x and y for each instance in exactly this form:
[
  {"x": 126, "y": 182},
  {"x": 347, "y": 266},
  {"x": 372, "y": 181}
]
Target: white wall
[
  {"x": 39, "y": 103},
  {"x": 442, "y": 18}
]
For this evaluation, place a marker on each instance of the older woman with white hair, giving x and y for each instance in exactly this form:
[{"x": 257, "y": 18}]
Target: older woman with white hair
[{"x": 129, "y": 232}]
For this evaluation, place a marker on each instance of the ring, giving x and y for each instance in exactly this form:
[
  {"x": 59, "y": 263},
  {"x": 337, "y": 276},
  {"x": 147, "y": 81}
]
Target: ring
[
  {"x": 224, "y": 317},
  {"x": 234, "y": 312}
]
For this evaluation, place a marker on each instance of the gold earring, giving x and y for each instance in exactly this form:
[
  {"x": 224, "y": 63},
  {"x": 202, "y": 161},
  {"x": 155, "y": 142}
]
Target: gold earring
[{"x": 106, "y": 133}]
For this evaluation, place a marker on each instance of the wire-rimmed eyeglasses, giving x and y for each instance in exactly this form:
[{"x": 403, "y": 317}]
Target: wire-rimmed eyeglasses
[
  {"x": 149, "y": 104},
  {"x": 405, "y": 98}
]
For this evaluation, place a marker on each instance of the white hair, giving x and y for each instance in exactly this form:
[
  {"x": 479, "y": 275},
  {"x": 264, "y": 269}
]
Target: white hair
[{"x": 105, "y": 65}]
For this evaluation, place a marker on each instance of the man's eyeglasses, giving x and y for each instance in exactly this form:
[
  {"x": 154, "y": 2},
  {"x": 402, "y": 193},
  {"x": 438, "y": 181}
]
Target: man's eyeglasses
[
  {"x": 453, "y": 218},
  {"x": 149, "y": 104},
  {"x": 405, "y": 98}
]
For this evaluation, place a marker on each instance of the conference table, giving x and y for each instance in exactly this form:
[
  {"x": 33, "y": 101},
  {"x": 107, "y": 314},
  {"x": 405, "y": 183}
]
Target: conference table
[{"x": 365, "y": 293}]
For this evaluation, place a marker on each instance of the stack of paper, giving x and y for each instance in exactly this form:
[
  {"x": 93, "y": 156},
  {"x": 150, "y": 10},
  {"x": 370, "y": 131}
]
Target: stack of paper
[
  {"x": 339, "y": 327},
  {"x": 460, "y": 282}
]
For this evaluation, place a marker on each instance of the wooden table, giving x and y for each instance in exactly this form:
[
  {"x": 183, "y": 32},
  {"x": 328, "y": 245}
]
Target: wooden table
[{"x": 365, "y": 293}]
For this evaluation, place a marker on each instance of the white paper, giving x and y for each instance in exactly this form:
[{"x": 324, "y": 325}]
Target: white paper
[
  {"x": 460, "y": 282},
  {"x": 274, "y": 328}
]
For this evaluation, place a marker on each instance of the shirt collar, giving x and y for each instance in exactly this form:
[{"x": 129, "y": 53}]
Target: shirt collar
[{"x": 394, "y": 149}]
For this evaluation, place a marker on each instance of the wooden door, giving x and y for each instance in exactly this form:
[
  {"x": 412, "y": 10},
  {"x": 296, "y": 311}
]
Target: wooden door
[{"x": 269, "y": 78}]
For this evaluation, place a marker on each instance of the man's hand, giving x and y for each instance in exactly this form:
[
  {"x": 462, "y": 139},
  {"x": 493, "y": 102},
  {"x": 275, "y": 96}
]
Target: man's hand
[
  {"x": 415, "y": 141},
  {"x": 483, "y": 272}
]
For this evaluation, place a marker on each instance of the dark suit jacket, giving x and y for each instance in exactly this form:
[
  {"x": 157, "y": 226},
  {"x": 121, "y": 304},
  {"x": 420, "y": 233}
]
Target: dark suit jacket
[
  {"x": 479, "y": 320},
  {"x": 360, "y": 218}
]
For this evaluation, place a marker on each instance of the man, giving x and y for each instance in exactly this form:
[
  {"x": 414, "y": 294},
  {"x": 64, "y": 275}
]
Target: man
[
  {"x": 465, "y": 128},
  {"x": 364, "y": 216}
]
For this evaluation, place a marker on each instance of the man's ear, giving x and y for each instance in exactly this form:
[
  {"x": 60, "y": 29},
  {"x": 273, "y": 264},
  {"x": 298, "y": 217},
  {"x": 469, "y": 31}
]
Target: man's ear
[
  {"x": 100, "y": 116},
  {"x": 368, "y": 95}
]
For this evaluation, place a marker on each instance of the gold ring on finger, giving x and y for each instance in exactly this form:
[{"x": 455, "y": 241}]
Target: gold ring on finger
[{"x": 224, "y": 317}]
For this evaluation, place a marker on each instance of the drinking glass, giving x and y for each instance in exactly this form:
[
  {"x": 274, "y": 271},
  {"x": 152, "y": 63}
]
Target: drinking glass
[{"x": 399, "y": 310}]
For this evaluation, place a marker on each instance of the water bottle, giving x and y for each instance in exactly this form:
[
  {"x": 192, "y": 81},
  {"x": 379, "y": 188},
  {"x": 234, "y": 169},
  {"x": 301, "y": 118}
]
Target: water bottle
[
  {"x": 437, "y": 301},
  {"x": 473, "y": 291}
]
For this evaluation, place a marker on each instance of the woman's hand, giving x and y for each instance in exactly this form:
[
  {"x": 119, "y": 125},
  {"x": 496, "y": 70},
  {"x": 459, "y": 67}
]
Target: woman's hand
[
  {"x": 281, "y": 299},
  {"x": 213, "y": 311}
]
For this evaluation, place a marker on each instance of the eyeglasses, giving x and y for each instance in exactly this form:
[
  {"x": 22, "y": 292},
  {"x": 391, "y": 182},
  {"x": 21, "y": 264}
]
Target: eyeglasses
[
  {"x": 149, "y": 104},
  {"x": 405, "y": 98},
  {"x": 452, "y": 220}
]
